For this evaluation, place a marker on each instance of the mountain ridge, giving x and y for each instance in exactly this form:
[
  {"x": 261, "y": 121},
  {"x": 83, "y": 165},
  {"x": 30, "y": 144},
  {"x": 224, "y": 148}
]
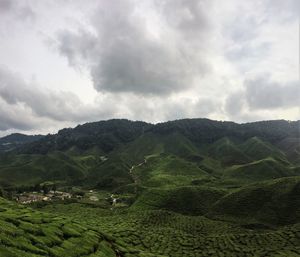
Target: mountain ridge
[{"x": 110, "y": 133}]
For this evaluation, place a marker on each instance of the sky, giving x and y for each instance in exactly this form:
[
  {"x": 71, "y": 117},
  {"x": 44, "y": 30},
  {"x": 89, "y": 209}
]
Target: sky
[{"x": 68, "y": 62}]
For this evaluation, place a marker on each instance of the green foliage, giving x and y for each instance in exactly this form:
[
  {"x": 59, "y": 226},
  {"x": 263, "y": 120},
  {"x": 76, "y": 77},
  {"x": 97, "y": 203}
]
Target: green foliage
[
  {"x": 164, "y": 233},
  {"x": 192, "y": 187},
  {"x": 29, "y": 233},
  {"x": 264, "y": 169},
  {"x": 276, "y": 202},
  {"x": 186, "y": 200}
]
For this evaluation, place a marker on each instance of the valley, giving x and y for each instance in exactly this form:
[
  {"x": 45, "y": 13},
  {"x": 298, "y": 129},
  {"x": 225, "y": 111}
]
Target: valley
[{"x": 193, "y": 187}]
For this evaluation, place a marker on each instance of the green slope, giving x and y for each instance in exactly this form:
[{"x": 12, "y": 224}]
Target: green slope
[
  {"x": 291, "y": 147},
  {"x": 274, "y": 202},
  {"x": 190, "y": 200},
  {"x": 28, "y": 233},
  {"x": 227, "y": 152},
  {"x": 258, "y": 149},
  {"x": 264, "y": 169},
  {"x": 154, "y": 144},
  {"x": 174, "y": 235},
  {"x": 168, "y": 171},
  {"x": 23, "y": 170}
]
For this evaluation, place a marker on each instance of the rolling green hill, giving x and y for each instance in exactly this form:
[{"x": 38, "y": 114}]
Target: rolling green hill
[
  {"x": 264, "y": 169},
  {"x": 258, "y": 149},
  {"x": 227, "y": 152},
  {"x": 15, "y": 140},
  {"x": 192, "y": 187},
  {"x": 275, "y": 202},
  {"x": 192, "y": 200},
  {"x": 22, "y": 170},
  {"x": 123, "y": 143}
]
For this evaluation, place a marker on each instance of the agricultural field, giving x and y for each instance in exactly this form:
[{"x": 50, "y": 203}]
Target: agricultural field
[
  {"x": 185, "y": 188},
  {"x": 28, "y": 233},
  {"x": 170, "y": 234}
]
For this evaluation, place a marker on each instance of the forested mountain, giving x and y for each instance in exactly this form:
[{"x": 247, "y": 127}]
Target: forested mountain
[
  {"x": 107, "y": 135},
  {"x": 100, "y": 152},
  {"x": 15, "y": 140},
  {"x": 192, "y": 187}
]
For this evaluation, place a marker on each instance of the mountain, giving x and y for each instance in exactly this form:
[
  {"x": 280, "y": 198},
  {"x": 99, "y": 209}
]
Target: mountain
[
  {"x": 107, "y": 135},
  {"x": 15, "y": 140},
  {"x": 192, "y": 187},
  {"x": 102, "y": 136},
  {"x": 214, "y": 148}
]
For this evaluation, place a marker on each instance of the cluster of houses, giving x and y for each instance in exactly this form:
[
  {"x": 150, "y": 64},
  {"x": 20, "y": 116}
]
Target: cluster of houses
[{"x": 26, "y": 198}]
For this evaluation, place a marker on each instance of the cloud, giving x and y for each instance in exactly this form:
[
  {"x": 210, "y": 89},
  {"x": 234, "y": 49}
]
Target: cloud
[
  {"x": 261, "y": 36},
  {"x": 12, "y": 118},
  {"x": 24, "y": 105},
  {"x": 287, "y": 10},
  {"x": 151, "y": 60},
  {"x": 263, "y": 93},
  {"x": 16, "y": 9},
  {"x": 129, "y": 50},
  {"x": 235, "y": 103},
  {"x": 263, "y": 98}
]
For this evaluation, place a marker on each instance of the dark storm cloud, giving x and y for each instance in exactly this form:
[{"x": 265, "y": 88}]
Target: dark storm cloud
[{"x": 123, "y": 55}]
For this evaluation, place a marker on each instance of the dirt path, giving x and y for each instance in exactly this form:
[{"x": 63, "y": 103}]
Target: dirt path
[{"x": 134, "y": 177}]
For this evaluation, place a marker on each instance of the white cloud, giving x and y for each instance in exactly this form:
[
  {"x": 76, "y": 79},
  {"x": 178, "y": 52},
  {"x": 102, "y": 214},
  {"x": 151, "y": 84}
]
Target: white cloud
[{"x": 149, "y": 60}]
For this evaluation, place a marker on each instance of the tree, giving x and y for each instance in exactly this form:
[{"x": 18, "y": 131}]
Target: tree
[{"x": 45, "y": 189}]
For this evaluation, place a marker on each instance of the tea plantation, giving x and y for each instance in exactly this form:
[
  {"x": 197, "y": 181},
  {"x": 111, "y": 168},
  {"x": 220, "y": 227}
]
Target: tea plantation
[
  {"x": 185, "y": 188},
  {"x": 28, "y": 233}
]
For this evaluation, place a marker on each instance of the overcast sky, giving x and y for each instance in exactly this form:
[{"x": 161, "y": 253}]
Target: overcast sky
[{"x": 68, "y": 62}]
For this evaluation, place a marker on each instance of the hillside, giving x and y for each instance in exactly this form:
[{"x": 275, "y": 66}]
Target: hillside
[
  {"x": 28, "y": 233},
  {"x": 192, "y": 187},
  {"x": 103, "y": 135},
  {"x": 124, "y": 143},
  {"x": 15, "y": 140},
  {"x": 276, "y": 202},
  {"x": 264, "y": 169}
]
